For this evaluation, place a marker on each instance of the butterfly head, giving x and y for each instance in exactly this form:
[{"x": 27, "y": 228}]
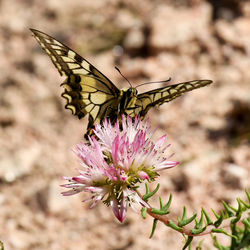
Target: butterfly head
[{"x": 132, "y": 92}]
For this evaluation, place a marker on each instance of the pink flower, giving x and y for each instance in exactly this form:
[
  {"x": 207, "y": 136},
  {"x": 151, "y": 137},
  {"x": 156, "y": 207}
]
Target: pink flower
[{"x": 115, "y": 161}]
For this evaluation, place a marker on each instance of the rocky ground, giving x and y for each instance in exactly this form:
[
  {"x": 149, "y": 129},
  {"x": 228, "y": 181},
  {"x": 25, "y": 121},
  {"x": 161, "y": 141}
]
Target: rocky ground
[{"x": 209, "y": 128}]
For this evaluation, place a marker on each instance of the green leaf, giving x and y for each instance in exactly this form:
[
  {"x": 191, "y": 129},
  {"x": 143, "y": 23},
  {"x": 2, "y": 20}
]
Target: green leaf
[
  {"x": 246, "y": 205},
  {"x": 228, "y": 209},
  {"x": 217, "y": 244},
  {"x": 188, "y": 242},
  {"x": 184, "y": 214},
  {"x": 209, "y": 220},
  {"x": 246, "y": 222},
  {"x": 153, "y": 228},
  {"x": 236, "y": 219},
  {"x": 219, "y": 221},
  {"x": 248, "y": 195},
  {"x": 198, "y": 230},
  {"x": 221, "y": 230},
  {"x": 161, "y": 204},
  {"x": 233, "y": 208},
  {"x": 186, "y": 221},
  {"x": 215, "y": 214},
  {"x": 166, "y": 207},
  {"x": 150, "y": 194},
  {"x": 199, "y": 224},
  {"x": 147, "y": 188},
  {"x": 200, "y": 245},
  {"x": 174, "y": 226},
  {"x": 160, "y": 212},
  {"x": 144, "y": 212},
  {"x": 239, "y": 211}
]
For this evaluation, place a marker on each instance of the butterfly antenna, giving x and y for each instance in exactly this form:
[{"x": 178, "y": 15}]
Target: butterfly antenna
[
  {"x": 124, "y": 77},
  {"x": 145, "y": 83}
]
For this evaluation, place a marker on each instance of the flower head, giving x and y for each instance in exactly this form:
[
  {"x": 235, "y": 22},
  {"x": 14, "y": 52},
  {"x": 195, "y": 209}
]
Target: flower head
[{"x": 116, "y": 159}]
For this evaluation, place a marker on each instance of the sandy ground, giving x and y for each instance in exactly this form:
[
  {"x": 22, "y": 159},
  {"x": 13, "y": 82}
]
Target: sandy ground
[{"x": 209, "y": 128}]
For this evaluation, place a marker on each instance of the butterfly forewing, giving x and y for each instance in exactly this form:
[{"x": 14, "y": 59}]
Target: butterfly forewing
[
  {"x": 68, "y": 61},
  {"x": 165, "y": 94},
  {"x": 87, "y": 90}
]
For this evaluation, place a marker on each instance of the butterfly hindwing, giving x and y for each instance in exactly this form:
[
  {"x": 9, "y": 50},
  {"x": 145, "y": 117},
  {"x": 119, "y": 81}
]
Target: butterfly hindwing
[
  {"x": 159, "y": 96},
  {"x": 86, "y": 89}
]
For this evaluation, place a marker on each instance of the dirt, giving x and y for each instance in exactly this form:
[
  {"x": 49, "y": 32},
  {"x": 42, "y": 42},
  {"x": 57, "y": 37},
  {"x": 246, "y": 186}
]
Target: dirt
[{"x": 209, "y": 128}]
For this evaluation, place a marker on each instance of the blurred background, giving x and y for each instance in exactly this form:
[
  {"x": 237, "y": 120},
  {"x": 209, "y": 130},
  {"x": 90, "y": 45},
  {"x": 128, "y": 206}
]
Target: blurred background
[{"x": 209, "y": 128}]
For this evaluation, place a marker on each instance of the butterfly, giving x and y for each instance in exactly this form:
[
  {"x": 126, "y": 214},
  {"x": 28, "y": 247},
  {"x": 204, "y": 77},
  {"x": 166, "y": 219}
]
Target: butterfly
[{"x": 88, "y": 91}]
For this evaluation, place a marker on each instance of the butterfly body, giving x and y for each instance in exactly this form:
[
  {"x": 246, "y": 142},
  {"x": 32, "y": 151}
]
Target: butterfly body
[
  {"x": 88, "y": 91},
  {"x": 127, "y": 99}
]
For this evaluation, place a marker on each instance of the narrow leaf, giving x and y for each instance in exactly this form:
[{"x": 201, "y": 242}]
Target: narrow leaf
[
  {"x": 246, "y": 205},
  {"x": 186, "y": 221},
  {"x": 227, "y": 208},
  {"x": 216, "y": 243},
  {"x": 188, "y": 242},
  {"x": 160, "y": 212},
  {"x": 219, "y": 221},
  {"x": 198, "y": 230},
  {"x": 161, "y": 204},
  {"x": 236, "y": 219},
  {"x": 200, "y": 245},
  {"x": 150, "y": 194},
  {"x": 184, "y": 215},
  {"x": 144, "y": 212},
  {"x": 239, "y": 211},
  {"x": 200, "y": 223},
  {"x": 166, "y": 207},
  {"x": 174, "y": 226},
  {"x": 209, "y": 220},
  {"x": 233, "y": 208},
  {"x": 147, "y": 188},
  {"x": 221, "y": 230},
  {"x": 215, "y": 214},
  {"x": 246, "y": 223},
  {"x": 153, "y": 228},
  {"x": 248, "y": 195}
]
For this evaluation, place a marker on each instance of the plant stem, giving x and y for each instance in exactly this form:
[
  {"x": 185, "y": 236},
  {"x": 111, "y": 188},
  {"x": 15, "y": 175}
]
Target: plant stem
[{"x": 165, "y": 219}]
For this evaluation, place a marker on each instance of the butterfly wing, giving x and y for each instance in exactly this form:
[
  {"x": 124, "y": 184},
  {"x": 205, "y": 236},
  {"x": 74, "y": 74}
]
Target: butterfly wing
[
  {"x": 161, "y": 95},
  {"x": 86, "y": 89}
]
